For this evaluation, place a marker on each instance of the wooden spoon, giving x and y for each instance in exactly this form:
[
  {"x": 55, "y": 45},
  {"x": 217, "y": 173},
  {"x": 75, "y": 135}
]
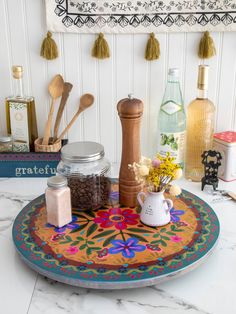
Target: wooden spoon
[
  {"x": 86, "y": 101},
  {"x": 55, "y": 89},
  {"x": 67, "y": 89}
]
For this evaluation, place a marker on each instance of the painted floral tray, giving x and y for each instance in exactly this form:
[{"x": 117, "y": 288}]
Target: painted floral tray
[{"x": 109, "y": 248}]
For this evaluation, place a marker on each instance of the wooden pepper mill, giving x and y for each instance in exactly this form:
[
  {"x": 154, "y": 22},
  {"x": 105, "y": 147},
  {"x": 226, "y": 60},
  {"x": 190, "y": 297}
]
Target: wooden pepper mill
[{"x": 130, "y": 111}]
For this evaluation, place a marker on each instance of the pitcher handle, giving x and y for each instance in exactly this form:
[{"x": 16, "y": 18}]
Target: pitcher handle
[
  {"x": 140, "y": 199},
  {"x": 169, "y": 204}
]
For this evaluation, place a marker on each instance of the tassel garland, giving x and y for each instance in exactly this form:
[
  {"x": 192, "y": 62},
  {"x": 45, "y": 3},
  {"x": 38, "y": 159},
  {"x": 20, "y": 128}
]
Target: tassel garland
[
  {"x": 152, "y": 49},
  {"x": 206, "y": 48},
  {"x": 101, "y": 49},
  {"x": 49, "y": 49}
]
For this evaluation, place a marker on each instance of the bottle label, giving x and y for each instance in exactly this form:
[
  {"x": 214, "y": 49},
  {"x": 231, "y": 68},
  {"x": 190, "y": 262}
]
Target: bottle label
[
  {"x": 174, "y": 144},
  {"x": 19, "y": 126},
  {"x": 170, "y": 107}
]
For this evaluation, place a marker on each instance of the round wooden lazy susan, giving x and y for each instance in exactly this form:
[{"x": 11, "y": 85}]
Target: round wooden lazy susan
[{"x": 109, "y": 248}]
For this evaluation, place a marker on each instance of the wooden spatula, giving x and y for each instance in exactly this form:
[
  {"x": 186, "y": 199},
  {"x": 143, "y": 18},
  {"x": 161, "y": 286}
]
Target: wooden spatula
[{"x": 67, "y": 89}]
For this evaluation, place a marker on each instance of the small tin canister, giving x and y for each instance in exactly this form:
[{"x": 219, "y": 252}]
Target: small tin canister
[{"x": 225, "y": 143}]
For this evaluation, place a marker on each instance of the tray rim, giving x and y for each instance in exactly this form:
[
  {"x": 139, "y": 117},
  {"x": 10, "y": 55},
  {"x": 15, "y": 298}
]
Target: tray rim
[{"x": 104, "y": 285}]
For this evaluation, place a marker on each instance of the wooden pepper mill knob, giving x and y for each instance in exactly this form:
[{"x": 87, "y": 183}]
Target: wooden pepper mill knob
[{"x": 130, "y": 111}]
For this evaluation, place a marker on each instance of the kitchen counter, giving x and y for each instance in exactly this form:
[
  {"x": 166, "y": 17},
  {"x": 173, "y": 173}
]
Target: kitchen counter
[{"x": 208, "y": 289}]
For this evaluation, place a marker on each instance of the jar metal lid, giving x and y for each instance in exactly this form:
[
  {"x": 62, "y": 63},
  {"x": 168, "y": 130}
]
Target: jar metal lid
[
  {"x": 5, "y": 139},
  {"x": 80, "y": 152},
  {"x": 57, "y": 182}
]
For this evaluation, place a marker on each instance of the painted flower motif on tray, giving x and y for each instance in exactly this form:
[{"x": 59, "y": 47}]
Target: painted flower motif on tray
[
  {"x": 127, "y": 248},
  {"x": 153, "y": 247},
  {"x": 174, "y": 214},
  {"x": 72, "y": 225},
  {"x": 117, "y": 217},
  {"x": 72, "y": 250},
  {"x": 143, "y": 267},
  {"x": 182, "y": 224},
  {"x": 102, "y": 253},
  {"x": 176, "y": 239},
  {"x": 123, "y": 270},
  {"x": 57, "y": 237}
]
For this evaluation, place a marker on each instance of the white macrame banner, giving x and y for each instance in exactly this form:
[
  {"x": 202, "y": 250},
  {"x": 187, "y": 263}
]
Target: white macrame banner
[{"x": 140, "y": 16}]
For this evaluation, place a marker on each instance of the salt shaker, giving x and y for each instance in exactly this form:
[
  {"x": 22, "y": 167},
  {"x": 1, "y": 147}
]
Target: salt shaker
[{"x": 58, "y": 201}]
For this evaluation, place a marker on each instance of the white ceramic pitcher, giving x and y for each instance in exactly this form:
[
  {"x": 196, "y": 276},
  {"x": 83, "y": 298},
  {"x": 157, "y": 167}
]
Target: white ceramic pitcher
[{"x": 155, "y": 208}]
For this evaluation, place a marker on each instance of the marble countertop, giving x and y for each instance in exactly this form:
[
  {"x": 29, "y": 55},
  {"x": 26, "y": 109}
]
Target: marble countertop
[{"x": 209, "y": 289}]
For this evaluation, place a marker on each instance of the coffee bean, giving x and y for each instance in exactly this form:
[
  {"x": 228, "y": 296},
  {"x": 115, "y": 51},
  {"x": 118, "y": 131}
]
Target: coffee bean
[{"x": 89, "y": 191}]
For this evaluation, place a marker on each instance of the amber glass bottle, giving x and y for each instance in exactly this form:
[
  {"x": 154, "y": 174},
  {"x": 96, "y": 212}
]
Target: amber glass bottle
[
  {"x": 200, "y": 128},
  {"x": 21, "y": 115}
]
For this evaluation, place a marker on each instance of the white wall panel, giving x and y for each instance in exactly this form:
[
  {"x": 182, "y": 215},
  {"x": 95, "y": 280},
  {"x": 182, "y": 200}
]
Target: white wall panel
[
  {"x": 226, "y": 95},
  {"x": 124, "y": 79},
  {"x": 141, "y": 84},
  {"x": 37, "y": 66},
  {"x": 191, "y": 67},
  {"x": 22, "y": 24},
  {"x": 88, "y": 80},
  {"x": 73, "y": 73},
  {"x": 157, "y": 81},
  {"x": 6, "y": 59}
]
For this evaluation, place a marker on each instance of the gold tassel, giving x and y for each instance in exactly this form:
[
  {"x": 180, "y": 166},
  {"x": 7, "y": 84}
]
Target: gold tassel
[
  {"x": 101, "y": 49},
  {"x": 206, "y": 48},
  {"x": 152, "y": 49},
  {"x": 49, "y": 49}
]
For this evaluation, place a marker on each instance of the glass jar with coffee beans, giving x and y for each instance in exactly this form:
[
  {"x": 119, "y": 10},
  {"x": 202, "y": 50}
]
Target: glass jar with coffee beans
[{"x": 87, "y": 172}]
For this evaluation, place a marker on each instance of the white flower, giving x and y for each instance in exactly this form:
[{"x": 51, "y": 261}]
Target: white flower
[
  {"x": 143, "y": 171},
  {"x": 145, "y": 161},
  {"x": 178, "y": 174},
  {"x": 175, "y": 190}
]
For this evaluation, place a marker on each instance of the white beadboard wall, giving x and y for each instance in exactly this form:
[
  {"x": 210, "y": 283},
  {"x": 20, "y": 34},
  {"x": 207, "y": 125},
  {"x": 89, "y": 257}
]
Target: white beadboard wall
[{"x": 22, "y": 28}]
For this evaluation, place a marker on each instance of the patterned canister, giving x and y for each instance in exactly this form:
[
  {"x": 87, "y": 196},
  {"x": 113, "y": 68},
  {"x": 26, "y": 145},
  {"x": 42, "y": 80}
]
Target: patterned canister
[{"x": 225, "y": 143}]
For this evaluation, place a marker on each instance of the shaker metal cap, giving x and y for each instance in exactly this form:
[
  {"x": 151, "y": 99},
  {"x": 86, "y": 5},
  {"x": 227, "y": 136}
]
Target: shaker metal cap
[
  {"x": 57, "y": 182},
  {"x": 82, "y": 152}
]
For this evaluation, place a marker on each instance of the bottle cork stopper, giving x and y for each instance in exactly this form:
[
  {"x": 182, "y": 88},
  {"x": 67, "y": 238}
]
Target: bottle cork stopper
[
  {"x": 203, "y": 73},
  {"x": 17, "y": 71}
]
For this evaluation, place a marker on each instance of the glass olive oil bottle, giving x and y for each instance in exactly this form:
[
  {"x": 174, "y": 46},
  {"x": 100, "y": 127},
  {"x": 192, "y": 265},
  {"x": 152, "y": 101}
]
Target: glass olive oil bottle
[{"x": 21, "y": 115}]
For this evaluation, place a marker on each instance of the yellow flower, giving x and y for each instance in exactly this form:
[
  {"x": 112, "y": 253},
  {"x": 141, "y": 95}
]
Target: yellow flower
[
  {"x": 175, "y": 190},
  {"x": 156, "y": 178}
]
